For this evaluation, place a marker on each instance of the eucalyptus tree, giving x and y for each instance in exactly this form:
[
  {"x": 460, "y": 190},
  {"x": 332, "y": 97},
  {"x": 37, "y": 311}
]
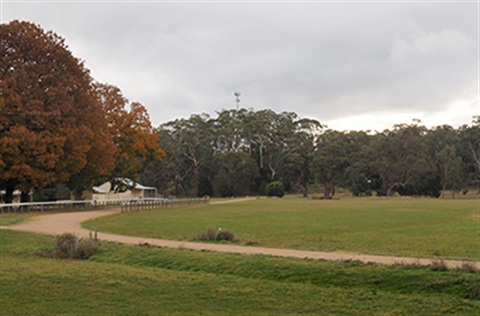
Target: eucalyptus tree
[
  {"x": 401, "y": 160},
  {"x": 450, "y": 167},
  {"x": 299, "y": 156},
  {"x": 189, "y": 150},
  {"x": 235, "y": 174},
  {"x": 228, "y": 131},
  {"x": 279, "y": 133},
  {"x": 331, "y": 159},
  {"x": 167, "y": 175},
  {"x": 469, "y": 150},
  {"x": 360, "y": 176},
  {"x": 443, "y": 145}
]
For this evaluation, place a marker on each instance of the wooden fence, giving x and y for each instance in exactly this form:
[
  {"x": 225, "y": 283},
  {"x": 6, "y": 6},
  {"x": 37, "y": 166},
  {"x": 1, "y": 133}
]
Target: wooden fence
[{"x": 126, "y": 205}]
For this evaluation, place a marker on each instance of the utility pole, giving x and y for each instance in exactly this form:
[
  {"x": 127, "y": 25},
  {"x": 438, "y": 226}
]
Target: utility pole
[{"x": 237, "y": 98}]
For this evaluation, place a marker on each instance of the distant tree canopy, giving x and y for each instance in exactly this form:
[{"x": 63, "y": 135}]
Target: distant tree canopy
[
  {"x": 242, "y": 151},
  {"x": 54, "y": 127}
]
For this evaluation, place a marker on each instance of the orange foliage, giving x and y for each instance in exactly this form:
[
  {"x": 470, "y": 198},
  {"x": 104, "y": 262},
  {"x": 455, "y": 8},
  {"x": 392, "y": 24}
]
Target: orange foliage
[
  {"x": 131, "y": 131},
  {"x": 50, "y": 121},
  {"x": 56, "y": 125}
]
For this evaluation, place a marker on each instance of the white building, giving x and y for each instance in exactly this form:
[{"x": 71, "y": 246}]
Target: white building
[{"x": 104, "y": 191}]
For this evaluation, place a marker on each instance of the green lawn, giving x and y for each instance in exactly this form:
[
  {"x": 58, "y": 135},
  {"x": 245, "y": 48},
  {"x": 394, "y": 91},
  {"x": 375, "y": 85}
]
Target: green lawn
[
  {"x": 135, "y": 280},
  {"x": 14, "y": 218},
  {"x": 402, "y": 227}
]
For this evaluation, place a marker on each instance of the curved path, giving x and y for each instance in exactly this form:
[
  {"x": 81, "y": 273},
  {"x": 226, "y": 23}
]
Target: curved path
[{"x": 56, "y": 224}]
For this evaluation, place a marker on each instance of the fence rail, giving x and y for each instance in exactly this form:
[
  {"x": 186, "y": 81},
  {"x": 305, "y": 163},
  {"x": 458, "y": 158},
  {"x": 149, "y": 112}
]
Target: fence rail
[
  {"x": 127, "y": 205},
  {"x": 148, "y": 204}
]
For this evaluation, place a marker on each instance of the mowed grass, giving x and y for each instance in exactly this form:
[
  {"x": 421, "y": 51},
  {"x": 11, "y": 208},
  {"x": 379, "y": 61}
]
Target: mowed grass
[
  {"x": 135, "y": 280},
  {"x": 15, "y": 218},
  {"x": 401, "y": 227}
]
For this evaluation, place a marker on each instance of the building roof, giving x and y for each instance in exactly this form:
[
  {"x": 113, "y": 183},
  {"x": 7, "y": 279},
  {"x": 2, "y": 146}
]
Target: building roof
[
  {"x": 105, "y": 187},
  {"x": 99, "y": 190},
  {"x": 16, "y": 192},
  {"x": 135, "y": 185}
]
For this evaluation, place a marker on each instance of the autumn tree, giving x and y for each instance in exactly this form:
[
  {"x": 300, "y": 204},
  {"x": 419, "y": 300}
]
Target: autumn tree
[
  {"x": 136, "y": 143},
  {"x": 50, "y": 122}
]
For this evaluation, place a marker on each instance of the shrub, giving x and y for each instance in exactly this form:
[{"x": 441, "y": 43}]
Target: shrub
[
  {"x": 66, "y": 244},
  {"x": 84, "y": 249},
  {"x": 217, "y": 235},
  {"x": 70, "y": 246},
  {"x": 275, "y": 188},
  {"x": 225, "y": 235},
  {"x": 208, "y": 235}
]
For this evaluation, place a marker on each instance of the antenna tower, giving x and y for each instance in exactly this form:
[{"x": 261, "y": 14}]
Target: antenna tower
[{"x": 237, "y": 98}]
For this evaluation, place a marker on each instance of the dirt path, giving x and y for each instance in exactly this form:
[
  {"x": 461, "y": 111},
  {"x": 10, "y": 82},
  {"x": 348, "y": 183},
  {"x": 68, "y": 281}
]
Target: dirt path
[
  {"x": 56, "y": 224},
  {"x": 233, "y": 200}
]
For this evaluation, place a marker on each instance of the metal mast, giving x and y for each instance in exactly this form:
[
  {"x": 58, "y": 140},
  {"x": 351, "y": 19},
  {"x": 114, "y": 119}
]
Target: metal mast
[{"x": 237, "y": 98}]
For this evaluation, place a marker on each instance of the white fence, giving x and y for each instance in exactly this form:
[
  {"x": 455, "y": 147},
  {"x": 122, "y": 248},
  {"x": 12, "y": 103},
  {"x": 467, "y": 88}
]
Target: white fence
[
  {"x": 149, "y": 204},
  {"x": 126, "y": 205}
]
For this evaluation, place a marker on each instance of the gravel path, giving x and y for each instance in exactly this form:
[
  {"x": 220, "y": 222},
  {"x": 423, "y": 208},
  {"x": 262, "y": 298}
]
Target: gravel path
[{"x": 56, "y": 224}]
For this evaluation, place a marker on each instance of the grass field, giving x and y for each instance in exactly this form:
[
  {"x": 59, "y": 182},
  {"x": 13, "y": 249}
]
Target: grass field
[
  {"x": 14, "y": 218},
  {"x": 403, "y": 227},
  {"x": 135, "y": 280}
]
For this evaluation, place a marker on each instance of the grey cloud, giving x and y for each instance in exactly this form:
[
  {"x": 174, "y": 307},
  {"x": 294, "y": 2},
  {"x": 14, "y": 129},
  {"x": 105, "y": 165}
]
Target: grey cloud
[{"x": 323, "y": 60}]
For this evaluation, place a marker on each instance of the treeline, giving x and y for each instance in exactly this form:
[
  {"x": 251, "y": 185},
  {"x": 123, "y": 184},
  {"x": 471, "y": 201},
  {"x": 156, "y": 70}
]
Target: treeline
[
  {"x": 58, "y": 125},
  {"x": 239, "y": 152}
]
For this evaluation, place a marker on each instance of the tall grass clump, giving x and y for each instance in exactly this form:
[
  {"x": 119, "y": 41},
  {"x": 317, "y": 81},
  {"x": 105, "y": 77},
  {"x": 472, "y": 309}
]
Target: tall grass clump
[
  {"x": 69, "y": 246},
  {"x": 217, "y": 235}
]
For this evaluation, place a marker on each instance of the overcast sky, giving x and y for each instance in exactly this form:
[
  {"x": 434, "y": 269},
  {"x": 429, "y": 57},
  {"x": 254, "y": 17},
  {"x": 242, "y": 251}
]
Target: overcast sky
[{"x": 351, "y": 65}]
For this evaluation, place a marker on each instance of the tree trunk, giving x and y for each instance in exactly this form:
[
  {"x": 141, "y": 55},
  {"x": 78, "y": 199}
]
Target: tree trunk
[
  {"x": 305, "y": 191},
  {"x": 261, "y": 156},
  {"x": 273, "y": 172},
  {"x": 177, "y": 182},
  {"x": 391, "y": 192},
  {"x": 8, "y": 199},
  {"x": 77, "y": 194},
  {"x": 444, "y": 187},
  {"x": 326, "y": 190},
  {"x": 453, "y": 194},
  {"x": 24, "y": 197}
]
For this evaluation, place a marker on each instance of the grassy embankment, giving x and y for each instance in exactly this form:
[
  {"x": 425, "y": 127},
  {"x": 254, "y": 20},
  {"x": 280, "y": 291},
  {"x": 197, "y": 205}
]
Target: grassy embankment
[
  {"x": 134, "y": 280},
  {"x": 428, "y": 228}
]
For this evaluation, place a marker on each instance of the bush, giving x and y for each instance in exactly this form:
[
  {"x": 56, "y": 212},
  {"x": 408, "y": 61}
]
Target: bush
[
  {"x": 71, "y": 247},
  {"x": 208, "y": 235},
  {"x": 85, "y": 249},
  {"x": 225, "y": 235},
  {"x": 438, "y": 265},
  {"x": 275, "y": 188},
  {"x": 217, "y": 235}
]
